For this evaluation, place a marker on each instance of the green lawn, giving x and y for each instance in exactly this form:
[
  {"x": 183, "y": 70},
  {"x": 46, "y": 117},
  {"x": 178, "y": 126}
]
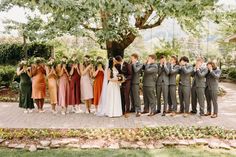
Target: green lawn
[{"x": 166, "y": 152}]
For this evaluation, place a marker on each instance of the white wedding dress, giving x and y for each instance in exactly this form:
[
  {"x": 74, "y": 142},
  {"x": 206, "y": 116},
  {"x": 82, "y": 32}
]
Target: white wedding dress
[
  {"x": 110, "y": 100},
  {"x": 113, "y": 98}
]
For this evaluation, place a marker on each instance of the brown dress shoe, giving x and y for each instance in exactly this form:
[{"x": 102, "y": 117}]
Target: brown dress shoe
[
  {"x": 138, "y": 114},
  {"x": 151, "y": 114},
  {"x": 126, "y": 115},
  {"x": 214, "y": 116},
  {"x": 208, "y": 114},
  {"x": 144, "y": 112}
]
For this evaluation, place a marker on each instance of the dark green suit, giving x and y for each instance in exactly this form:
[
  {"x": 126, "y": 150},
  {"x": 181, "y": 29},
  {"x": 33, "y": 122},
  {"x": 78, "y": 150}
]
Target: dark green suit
[
  {"x": 198, "y": 89},
  {"x": 185, "y": 87},
  {"x": 162, "y": 85},
  {"x": 212, "y": 81},
  {"x": 136, "y": 72},
  {"x": 174, "y": 70},
  {"x": 149, "y": 83}
]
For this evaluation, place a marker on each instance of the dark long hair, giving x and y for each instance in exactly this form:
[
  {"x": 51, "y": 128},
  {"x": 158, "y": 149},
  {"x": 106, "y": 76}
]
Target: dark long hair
[
  {"x": 110, "y": 66},
  {"x": 86, "y": 63}
]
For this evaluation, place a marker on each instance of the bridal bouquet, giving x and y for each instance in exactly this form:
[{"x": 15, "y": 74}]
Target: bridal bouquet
[{"x": 121, "y": 78}]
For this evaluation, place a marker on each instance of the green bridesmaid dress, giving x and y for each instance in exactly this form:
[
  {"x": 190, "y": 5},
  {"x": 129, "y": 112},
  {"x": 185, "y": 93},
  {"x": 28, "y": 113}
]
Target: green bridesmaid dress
[{"x": 25, "y": 92}]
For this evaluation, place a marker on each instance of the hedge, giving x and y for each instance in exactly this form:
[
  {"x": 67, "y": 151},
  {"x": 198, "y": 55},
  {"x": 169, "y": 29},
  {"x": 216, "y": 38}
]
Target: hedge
[
  {"x": 11, "y": 54},
  {"x": 7, "y": 75}
]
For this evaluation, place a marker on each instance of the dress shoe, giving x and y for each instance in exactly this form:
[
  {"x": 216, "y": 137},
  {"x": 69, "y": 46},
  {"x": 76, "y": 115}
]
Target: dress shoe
[
  {"x": 158, "y": 111},
  {"x": 193, "y": 112},
  {"x": 138, "y": 114},
  {"x": 132, "y": 110},
  {"x": 144, "y": 112},
  {"x": 151, "y": 114},
  {"x": 163, "y": 114},
  {"x": 126, "y": 115},
  {"x": 208, "y": 114},
  {"x": 173, "y": 114},
  {"x": 214, "y": 116},
  {"x": 202, "y": 114}
]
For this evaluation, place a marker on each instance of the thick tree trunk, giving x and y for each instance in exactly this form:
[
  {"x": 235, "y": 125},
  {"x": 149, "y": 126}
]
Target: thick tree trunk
[{"x": 114, "y": 49}]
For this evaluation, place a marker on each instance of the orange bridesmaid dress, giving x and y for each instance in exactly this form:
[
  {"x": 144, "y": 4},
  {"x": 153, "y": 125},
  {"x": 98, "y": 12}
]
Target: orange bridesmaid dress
[
  {"x": 52, "y": 86},
  {"x": 97, "y": 88},
  {"x": 39, "y": 83}
]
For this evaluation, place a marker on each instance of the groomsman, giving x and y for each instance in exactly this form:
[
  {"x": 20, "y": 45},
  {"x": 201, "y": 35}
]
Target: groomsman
[
  {"x": 149, "y": 83},
  {"x": 126, "y": 70},
  {"x": 198, "y": 86},
  {"x": 136, "y": 72},
  {"x": 174, "y": 70},
  {"x": 185, "y": 84},
  {"x": 162, "y": 84},
  {"x": 212, "y": 81}
]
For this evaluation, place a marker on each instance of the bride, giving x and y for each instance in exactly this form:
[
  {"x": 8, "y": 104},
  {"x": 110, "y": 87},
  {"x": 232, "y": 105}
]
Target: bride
[{"x": 110, "y": 101}]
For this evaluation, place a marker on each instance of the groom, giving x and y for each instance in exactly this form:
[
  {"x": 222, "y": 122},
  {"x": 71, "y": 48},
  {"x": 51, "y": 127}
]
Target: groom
[{"x": 126, "y": 69}]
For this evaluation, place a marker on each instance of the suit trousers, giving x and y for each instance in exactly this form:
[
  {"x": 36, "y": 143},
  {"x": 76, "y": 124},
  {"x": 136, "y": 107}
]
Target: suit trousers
[
  {"x": 172, "y": 101},
  {"x": 162, "y": 89},
  {"x": 125, "y": 96},
  {"x": 198, "y": 95},
  {"x": 149, "y": 98},
  {"x": 184, "y": 98},
  {"x": 135, "y": 99},
  {"x": 211, "y": 97}
]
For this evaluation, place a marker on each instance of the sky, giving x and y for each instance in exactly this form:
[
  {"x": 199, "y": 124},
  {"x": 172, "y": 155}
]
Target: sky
[{"x": 19, "y": 14}]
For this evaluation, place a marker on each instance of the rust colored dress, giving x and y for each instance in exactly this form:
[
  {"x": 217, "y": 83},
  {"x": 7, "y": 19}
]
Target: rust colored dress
[
  {"x": 75, "y": 88},
  {"x": 63, "y": 90},
  {"x": 39, "y": 83},
  {"x": 52, "y": 86},
  {"x": 97, "y": 88}
]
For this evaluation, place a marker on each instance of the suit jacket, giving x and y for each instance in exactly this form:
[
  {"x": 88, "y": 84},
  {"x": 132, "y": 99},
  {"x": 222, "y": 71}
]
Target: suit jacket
[
  {"x": 199, "y": 77},
  {"x": 136, "y": 71},
  {"x": 174, "y": 70},
  {"x": 163, "y": 74},
  {"x": 212, "y": 79},
  {"x": 126, "y": 70},
  {"x": 185, "y": 75},
  {"x": 150, "y": 75}
]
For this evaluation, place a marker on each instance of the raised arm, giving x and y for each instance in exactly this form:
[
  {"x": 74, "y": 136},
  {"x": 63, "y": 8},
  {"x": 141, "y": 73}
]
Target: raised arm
[
  {"x": 187, "y": 69},
  {"x": 216, "y": 73},
  {"x": 174, "y": 69},
  {"x": 137, "y": 67},
  {"x": 151, "y": 69},
  {"x": 202, "y": 73}
]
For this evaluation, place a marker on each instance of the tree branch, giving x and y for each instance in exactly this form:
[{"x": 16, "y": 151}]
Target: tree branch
[
  {"x": 91, "y": 28},
  {"x": 157, "y": 23},
  {"x": 141, "y": 20}
]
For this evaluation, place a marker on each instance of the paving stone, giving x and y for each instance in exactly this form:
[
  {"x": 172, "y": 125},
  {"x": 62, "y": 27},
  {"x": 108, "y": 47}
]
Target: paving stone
[
  {"x": 1, "y": 140},
  {"x": 124, "y": 144},
  {"x": 134, "y": 146},
  {"x": 233, "y": 144},
  {"x": 20, "y": 146},
  {"x": 71, "y": 145},
  {"x": 191, "y": 142},
  {"x": 169, "y": 143},
  {"x": 224, "y": 146},
  {"x": 140, "y": 143},
  {"x": 114, "y": 146},
  {"x": 214, "y": 145},
  {"x": 150, "y": 146},
  {"x": 45, "y": 143},
  {"x": 32, "y": 148},
  {"x": 201, "y": 141},
  {"x": 158, "y": 145},
  {"x": 12, "y": 145},
  {"x": 183, "y": 142}
]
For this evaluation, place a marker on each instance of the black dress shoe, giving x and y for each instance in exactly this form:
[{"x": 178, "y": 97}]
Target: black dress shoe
[
  {"x": 151, "y": 114},
  {"x": 158, "y": 111},
  {"x": 132, "y": 110},
  {"x": 163, "y": 114},
  {"x": 193, "y": 112}
]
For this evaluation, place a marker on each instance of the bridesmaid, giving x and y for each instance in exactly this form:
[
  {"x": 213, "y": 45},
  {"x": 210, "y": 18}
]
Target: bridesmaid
[
  {"x": 98, "y": 74},
  {"x": 26, "y": 101},
  {"x": 63, "y": 86},
  {"x": 86, "y": 83},
  {"x": 75, "y": 87},
  {"x": 38, "y": 83},
  {"x": 52, "y": 84}
]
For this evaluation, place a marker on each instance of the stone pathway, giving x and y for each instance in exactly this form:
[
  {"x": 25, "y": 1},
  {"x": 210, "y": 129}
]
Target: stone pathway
[{"x": 13, "y": 117}]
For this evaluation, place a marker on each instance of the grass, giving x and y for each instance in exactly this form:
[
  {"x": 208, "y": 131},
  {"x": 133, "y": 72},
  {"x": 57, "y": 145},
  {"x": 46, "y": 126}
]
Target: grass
[{"x": 165, "y": 152}]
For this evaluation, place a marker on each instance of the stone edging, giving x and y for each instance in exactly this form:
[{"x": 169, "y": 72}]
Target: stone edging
[{"x": 97, "y": 144}]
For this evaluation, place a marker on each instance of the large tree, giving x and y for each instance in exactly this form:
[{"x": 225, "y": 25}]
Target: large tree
[{"x": 114, "y": 24}]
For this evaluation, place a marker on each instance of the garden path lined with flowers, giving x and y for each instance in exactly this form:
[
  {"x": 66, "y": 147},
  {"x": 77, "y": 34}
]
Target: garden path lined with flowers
[{"x": 11, "y": 116}]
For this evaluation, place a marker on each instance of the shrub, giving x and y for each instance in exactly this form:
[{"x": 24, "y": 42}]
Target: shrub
[
  {"x": 232, "y": 74},
  {"x": 7, "y": 74},
  {"x": 11, "y": 54}
]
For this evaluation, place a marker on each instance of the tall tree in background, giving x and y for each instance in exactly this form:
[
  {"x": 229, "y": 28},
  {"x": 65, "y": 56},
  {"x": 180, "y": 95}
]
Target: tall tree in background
[{"x": 114, "y": 24}]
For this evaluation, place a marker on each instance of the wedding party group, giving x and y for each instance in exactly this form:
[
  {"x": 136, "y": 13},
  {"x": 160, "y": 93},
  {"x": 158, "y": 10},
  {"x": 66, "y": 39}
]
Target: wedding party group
[{"x": 114, "y": 87}]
